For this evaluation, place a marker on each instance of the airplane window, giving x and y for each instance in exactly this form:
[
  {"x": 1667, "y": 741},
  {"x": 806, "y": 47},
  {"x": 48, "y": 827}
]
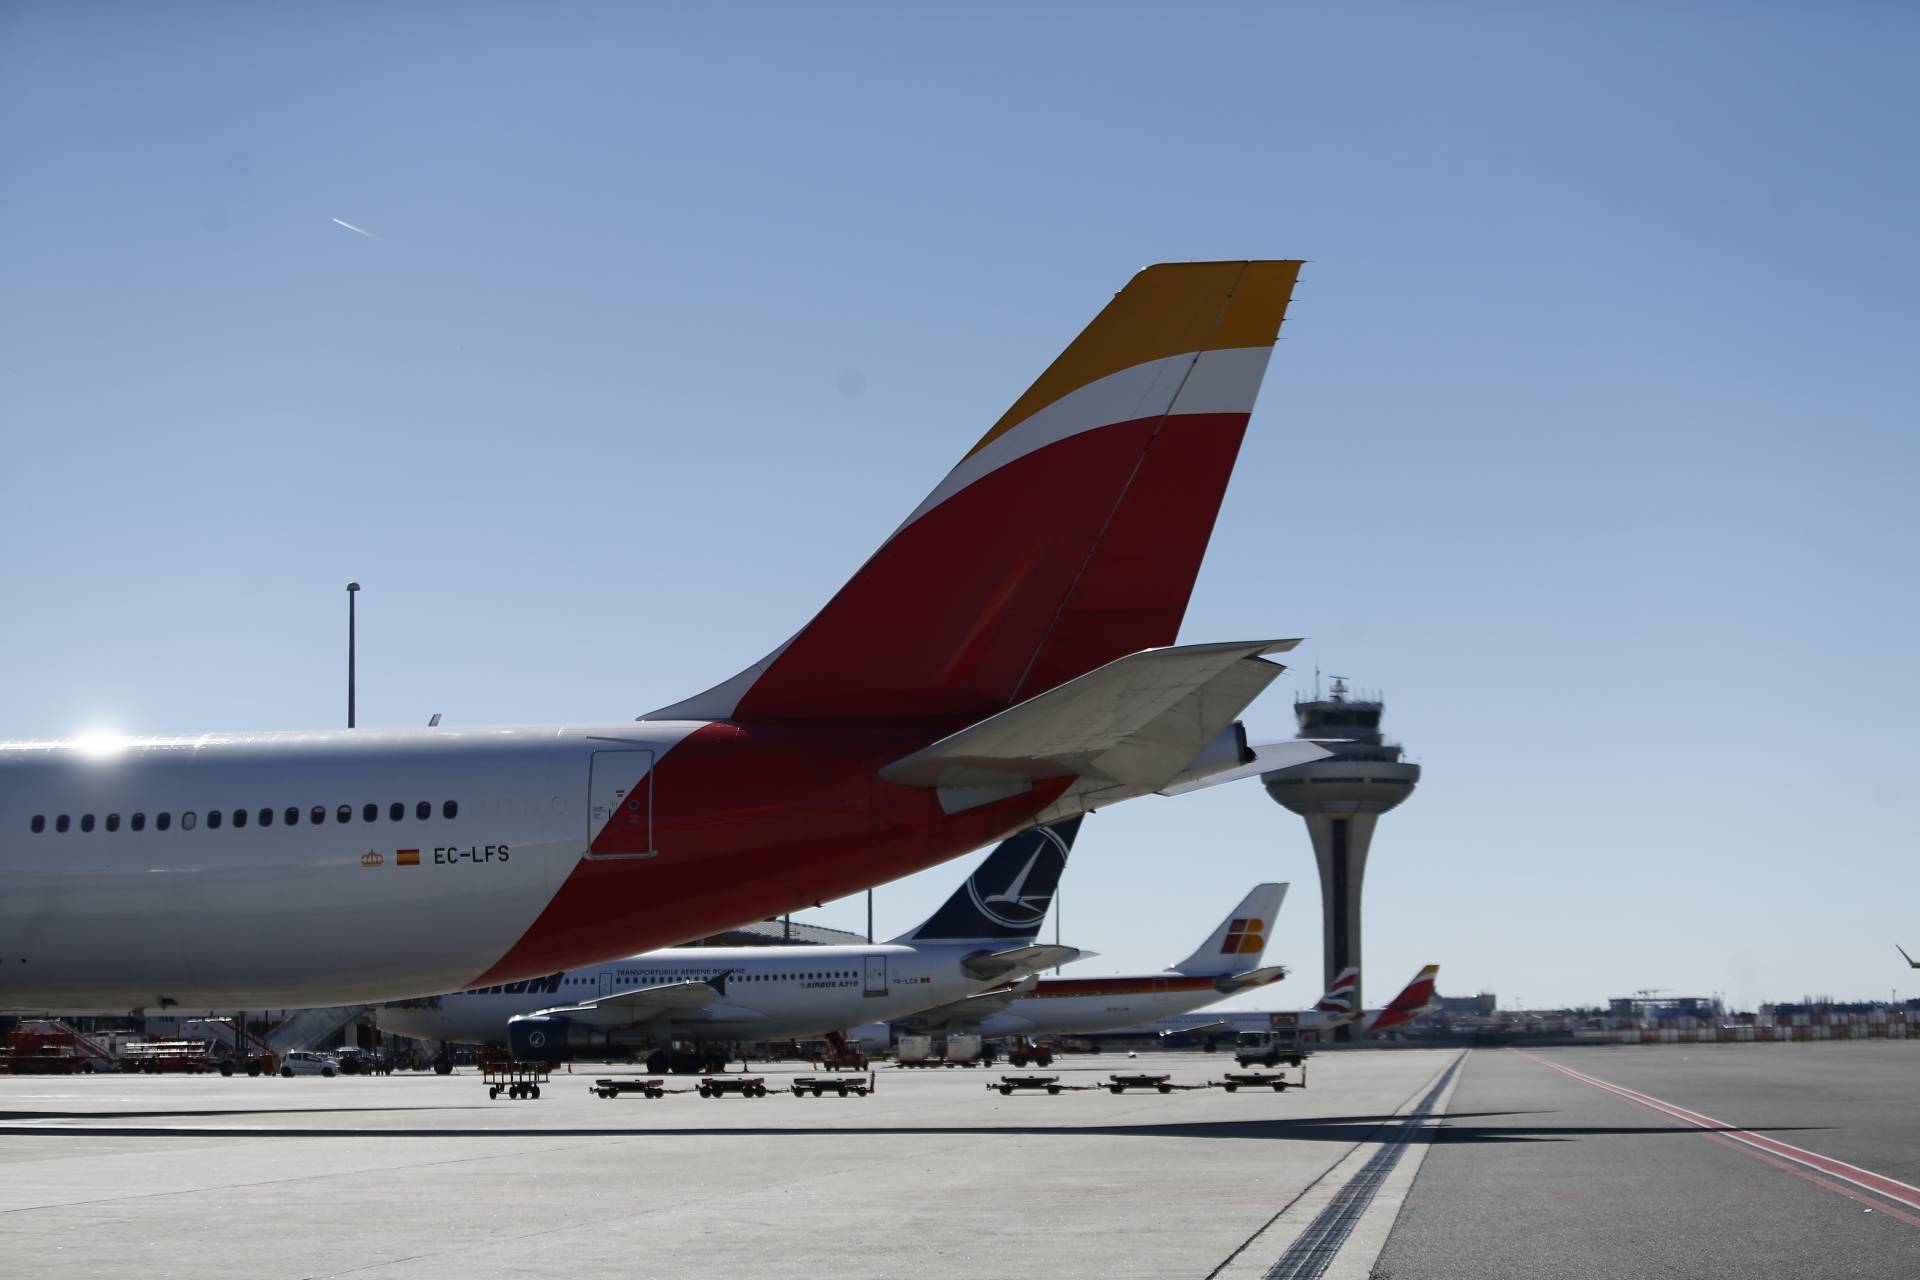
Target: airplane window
[
  {"x": 139, "y": 822},
  {"x": 60, "y": 824},
  {"x": 162, "y": 821},
  {"x": 423, "y": 810},
  {"x": 292, "y": 815},
  {"x": 113, "y": 822},
  {"x": 343, "y": 814},
  {"x": 370, "y": 813},
  {"x": 396, "y": 811},
  {"x": 319, "y": 814},
  {"x": 450, "y": 809},
  {"x": 239, "y": 817},
  {"x": 186, "y": 821},
  {"x": 213, "y": 819},
  {"x": 38, "y": 824},
  {"x": 86, "y": 822},
  {"x": 266, "y": 817}
]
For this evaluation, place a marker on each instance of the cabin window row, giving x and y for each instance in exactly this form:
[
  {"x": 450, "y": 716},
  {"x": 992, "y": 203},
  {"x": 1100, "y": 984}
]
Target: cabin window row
[{"x": 215, "y": 818}]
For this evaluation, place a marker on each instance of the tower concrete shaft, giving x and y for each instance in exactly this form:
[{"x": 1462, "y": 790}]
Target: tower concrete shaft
[{"x": 1341, "y": 798}]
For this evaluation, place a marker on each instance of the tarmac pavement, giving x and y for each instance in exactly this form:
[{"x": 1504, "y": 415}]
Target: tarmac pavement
[
  {"x": 1539, "y": 1173},
  {"x": 423, "y": 1176}
]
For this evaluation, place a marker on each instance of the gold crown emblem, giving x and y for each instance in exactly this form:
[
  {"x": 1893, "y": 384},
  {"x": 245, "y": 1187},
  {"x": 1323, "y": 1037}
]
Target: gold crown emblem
[{"x": 372, "y": 858}]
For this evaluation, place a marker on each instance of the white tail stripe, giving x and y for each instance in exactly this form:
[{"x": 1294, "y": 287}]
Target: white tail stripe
[{"x": 1195, "y": 382}]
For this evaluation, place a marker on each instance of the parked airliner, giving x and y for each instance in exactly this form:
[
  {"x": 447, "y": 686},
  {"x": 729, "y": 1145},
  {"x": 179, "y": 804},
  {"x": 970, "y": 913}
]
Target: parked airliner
[
  {"x": 1006, "y": 659},
  {"x": 1227, "y": 963},
  {"x": 710, "y": 997},
  {"x": 1334, "y": 1009}
]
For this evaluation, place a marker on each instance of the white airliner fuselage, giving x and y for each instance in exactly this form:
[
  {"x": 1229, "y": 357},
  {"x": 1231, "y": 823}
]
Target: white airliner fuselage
[
  {"x": 306, "y": 883},
  {"x": 760, "y": 993}
]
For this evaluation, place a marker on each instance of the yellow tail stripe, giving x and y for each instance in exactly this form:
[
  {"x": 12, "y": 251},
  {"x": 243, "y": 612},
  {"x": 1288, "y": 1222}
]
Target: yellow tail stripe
[{"x": 1166, "y": 310}]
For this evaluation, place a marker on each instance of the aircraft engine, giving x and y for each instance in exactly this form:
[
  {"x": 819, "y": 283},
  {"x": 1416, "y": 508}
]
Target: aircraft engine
[
  {"x": 871, "y": 1038},
  {"x": 546, "y": 1037}
]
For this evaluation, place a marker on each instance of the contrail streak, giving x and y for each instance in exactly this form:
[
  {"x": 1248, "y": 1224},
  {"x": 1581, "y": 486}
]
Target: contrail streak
[{"x": 359, "y": 231}]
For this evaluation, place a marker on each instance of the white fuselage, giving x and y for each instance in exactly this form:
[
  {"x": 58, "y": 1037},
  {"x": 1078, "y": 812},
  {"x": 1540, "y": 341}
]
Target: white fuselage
[
  {"x": 1073, "y": 1006},
  {"x": 287, "y": 913},
  {"x": 771, "y": 993}
]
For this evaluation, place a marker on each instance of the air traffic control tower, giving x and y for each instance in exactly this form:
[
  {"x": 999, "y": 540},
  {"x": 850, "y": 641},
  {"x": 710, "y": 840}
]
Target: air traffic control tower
[{"x": 1341, "y": 798}]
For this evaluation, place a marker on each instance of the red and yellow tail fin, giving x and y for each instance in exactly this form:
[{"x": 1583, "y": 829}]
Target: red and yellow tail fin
[
  {"x": 1068, "y": 536},
  {"x": 1416, "y": 999}
]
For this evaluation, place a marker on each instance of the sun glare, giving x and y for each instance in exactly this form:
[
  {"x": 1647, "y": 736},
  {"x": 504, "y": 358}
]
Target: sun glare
[{"x": 100, "y": 744}]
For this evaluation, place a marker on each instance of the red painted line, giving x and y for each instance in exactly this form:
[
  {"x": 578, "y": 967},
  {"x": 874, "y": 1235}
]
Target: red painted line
[
  {"x": 1806, "y": 1175},
  {"x": 1770, "y": 1149}
]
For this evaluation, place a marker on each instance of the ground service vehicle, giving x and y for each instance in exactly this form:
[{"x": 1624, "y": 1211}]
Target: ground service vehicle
[{"x": 1280, "y": 1043}]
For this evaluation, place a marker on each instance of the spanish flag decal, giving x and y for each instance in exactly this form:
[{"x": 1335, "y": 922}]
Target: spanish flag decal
[{"x": 406, "y": 857}]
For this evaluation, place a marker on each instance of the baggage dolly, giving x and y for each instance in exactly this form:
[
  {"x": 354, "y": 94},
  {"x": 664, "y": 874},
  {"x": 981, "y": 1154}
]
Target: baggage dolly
[
  {"x": 517, "y": 1080},
  {"x": 1273, "y": 1080},
  {"x": 817, "y": 1085},
  {"x": 1009, "y": 1083},
  {"x": 745, "y": 1086},
  {"x": 611, "y": 1088},
  {"x": 1123, "y": 1082}
]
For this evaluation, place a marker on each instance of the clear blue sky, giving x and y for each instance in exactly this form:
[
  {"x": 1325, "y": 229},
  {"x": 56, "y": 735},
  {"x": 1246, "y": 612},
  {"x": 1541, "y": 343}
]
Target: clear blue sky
[{"x": 1592, "y": 440}]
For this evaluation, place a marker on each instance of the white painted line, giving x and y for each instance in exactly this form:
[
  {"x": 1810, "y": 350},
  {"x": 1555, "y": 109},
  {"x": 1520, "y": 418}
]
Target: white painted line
[{"x": 1368, "y": 1234}]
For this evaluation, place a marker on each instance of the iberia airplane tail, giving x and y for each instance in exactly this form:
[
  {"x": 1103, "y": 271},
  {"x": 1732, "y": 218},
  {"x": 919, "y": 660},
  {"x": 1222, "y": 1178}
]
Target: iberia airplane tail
[
  {"x": 1410, "y": 1003},
  {"x": 1068, "y": 537}
]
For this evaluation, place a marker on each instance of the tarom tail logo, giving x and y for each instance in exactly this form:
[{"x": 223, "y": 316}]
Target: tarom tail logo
[
  {"x": 1245, "y": 937},
  {"x": 1015, "y": 908}
]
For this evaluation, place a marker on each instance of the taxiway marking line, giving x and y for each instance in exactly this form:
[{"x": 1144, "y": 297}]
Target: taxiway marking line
[
  {"x": 1772, "y": 1150},
  {"x": 1338, "y": 1224}
]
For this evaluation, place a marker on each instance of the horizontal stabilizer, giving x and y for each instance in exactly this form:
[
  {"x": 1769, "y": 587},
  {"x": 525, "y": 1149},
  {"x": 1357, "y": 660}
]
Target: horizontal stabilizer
[
  {"x": 972, "y": 1009},
  {"x": 1267, "y": 756},
  {"x": 1002, "y": 964},
  {"x": 1252, "y": 978},
  {"x": 1136, "y": 723}
]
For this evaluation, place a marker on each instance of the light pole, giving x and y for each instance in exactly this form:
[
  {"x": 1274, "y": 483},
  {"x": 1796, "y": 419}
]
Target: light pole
[{"x": 353, "y": 589}]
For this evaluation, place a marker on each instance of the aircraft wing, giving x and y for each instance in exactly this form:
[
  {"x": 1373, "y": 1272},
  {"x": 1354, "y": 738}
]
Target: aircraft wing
[
  {"x": 1911, "y": 962},
  {"x": 1248, "y": 979},
  {"x": 1004, "y": 964},
  {"x": 639, "y": 1004},
  {"x": 1138, "y": 723}
]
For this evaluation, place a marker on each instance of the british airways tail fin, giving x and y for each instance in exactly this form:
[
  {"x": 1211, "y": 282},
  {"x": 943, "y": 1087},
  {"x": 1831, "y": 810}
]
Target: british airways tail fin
[
  {"x": 1007, "y": 896},
  {"x": 1338, "y": 1004},
  {"x": 1067, "y": 537},
  {"x": 1416, "y": 999},
  {"x": 1241, "y": 939}
]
